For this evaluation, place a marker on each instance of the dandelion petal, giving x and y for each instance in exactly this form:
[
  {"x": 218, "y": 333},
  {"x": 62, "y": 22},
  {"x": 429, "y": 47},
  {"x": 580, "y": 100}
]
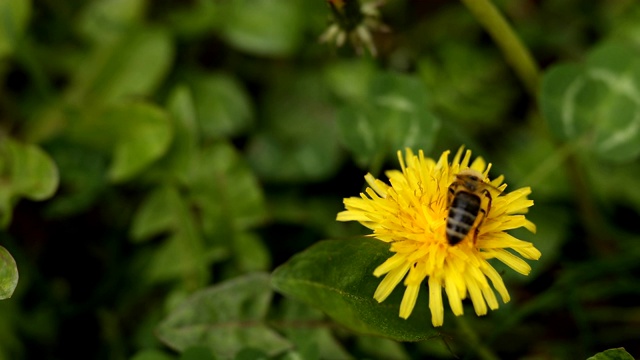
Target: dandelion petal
[
  {"x": 409, "y": 300},
  {"x": 435, "y": 302}
]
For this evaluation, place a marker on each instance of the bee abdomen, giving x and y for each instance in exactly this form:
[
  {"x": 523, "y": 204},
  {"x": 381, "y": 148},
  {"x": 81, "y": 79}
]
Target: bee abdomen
[{"x": 462, "y": 214}]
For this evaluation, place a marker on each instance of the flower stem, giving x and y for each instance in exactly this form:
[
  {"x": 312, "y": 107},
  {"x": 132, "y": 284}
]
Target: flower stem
[
  {"x": 516, "y": 54},
  {"x": 471, "y": 336},
  {"x": 520, "y": 59}
]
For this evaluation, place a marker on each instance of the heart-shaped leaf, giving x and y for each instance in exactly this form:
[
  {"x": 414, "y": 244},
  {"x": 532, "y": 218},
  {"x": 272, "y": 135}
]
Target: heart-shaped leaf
[
  {"x": 597, "y": 104},
  {"x": 394, "y": 117}
]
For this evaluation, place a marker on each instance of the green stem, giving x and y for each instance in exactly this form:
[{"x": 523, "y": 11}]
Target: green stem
[
  {"x": 516, "y": 54},
  {"x": 472, "y": 337},
  {"x": 597, "y": 238},
  {"x": 551, "y": 164},
  {"x": 520, "y": 59}
]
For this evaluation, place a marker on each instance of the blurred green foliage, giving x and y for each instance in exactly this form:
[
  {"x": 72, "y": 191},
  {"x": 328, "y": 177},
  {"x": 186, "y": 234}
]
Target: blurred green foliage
[{"x": 158, "y": 159}]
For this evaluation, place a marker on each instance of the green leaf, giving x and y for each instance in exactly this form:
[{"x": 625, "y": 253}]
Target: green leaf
[
  {"x": 251, "y": 354},
  {"x": 183, "y": 254},
  {"x": 83, "y": 173},
  {"x": 223, "y": 107},
  {"x": 226, "y": 318},
  {"x": 25, "y": 171},
  {"x": 612, "y": 354},
  {"x": 264, "y": 27},
  {"x": 133, "y": 65},
  {"x": 336, "y": 276},
  {"x": 194, "y": 19},
  {"x": 351, "y": 80},
  {"x": 14, "y": 16},
  {"x": 197, "y": 353},
  {"x": 103, "y": 20},
  {"x": 34, "y": 174},
  {"x": 251, "y": 253},
  {"x": 8, "y": 274},
  {"x": 299, "y": 140},
  {"x": 184, "y": 146},
  {"x": 459, "y": 75},
  {"x": 395, "y": 117},
  {"x": 223, "y": 186},
  {"x": 152, "y": 354},
  {"x": 597, "y": 104},
  {"x": 303, "y": 326},
  {"x": 378, "y": 348},
  {"x": 615, "y": 189},
  {"x": 144, "y": 135},
  {"x": 156, "y": 214}
]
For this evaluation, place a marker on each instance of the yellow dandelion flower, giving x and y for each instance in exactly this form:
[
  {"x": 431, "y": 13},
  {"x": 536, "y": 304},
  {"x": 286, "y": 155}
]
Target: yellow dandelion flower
[{"x": 412, "y": 213}]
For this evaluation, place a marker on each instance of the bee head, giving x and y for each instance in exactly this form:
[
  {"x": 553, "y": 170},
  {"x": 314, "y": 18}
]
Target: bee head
[
  {"x": 470, "y": 174},
  {"x": 471, "y": 178}
]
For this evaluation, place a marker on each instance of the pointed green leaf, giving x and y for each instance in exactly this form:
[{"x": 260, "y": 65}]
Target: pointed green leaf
[
  {"x": 225, "y": 318},
  {"x": 336, "y": 276},
  {"x": 8, "y": 274},
  {"x": 612, "y": 354},
  {"x": 144, "y": 135},
  {"x": 156, "y": 214},
  {"x": 184, "y": 146},
  {"x": 597, "y": 104},
  {"x": 223, "y": 107},
  {"x": 394, "y": 117},
  {"x": 133, "y": 65},
  {"x": 14, "y": 16}
]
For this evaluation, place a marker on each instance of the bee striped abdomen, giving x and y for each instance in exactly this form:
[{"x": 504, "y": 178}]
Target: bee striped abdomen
[{"x": 462, "y": 214}]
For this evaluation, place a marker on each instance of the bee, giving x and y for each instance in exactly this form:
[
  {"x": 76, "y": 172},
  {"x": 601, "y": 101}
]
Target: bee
[{"x": 466, "y": 196}]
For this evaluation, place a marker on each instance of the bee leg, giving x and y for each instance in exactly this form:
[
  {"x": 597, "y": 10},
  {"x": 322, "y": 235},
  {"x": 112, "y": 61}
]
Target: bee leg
[
  {"x": 452, "y": 193},
  {"x": 484, "y": 215},
  {"x": 487, "y": 194},
  {"x": 477, "y": 229}
]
